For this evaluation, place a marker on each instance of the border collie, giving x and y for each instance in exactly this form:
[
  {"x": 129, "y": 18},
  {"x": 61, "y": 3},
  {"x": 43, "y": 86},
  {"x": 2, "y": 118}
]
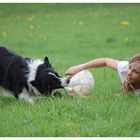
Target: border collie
[{"x": 26, "y": 77}]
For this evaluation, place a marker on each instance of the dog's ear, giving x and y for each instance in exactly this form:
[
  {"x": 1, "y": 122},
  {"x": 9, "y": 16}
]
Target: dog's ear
[{"x": 46, "y": 60}]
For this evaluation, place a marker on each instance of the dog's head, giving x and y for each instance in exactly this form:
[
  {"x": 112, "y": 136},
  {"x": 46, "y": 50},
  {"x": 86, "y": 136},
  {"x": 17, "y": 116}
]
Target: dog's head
[{"x": 47, "y": 79}]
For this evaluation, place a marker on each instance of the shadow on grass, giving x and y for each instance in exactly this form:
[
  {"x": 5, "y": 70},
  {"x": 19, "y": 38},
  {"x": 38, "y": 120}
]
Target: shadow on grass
[{"x": 6, "y": 101}]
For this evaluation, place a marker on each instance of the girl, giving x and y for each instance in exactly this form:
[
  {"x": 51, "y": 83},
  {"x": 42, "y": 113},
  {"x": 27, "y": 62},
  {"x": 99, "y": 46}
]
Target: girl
[{"x": 129, "y": 72}]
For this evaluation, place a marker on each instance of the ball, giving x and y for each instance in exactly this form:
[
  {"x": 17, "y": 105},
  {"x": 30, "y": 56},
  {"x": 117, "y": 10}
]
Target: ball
[{"x": 81, "y": 84}]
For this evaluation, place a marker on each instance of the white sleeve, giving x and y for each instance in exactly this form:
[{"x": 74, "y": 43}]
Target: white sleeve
[{"x": 121, "y": 68}]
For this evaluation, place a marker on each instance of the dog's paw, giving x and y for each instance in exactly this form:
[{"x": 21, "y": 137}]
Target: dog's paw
[{"x": 26, "y": 98}]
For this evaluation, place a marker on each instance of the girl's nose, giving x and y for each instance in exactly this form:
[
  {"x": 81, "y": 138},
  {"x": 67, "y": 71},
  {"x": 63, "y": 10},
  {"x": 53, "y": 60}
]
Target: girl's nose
[{"x": 129, "y": 73}]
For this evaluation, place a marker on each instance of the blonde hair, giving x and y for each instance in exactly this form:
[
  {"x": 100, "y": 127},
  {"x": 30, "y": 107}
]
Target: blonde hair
[{"x": 129, "y": 87}]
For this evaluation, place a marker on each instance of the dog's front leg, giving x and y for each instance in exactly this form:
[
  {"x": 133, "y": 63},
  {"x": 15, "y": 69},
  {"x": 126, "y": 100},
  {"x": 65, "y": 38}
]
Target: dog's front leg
[{"x": 25, "y": 96}]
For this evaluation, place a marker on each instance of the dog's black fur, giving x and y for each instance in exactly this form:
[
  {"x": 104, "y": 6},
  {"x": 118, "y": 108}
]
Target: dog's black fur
[{"x": 26, "y": 76}]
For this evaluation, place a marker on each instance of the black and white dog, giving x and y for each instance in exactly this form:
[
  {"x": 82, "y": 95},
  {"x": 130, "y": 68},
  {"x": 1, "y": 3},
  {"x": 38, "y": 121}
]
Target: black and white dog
[{"x": 26, "y": 77}]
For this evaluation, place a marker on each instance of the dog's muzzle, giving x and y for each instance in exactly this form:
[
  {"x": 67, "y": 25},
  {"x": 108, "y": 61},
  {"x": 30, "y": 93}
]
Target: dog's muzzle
[{"x": 64, "y": 81}]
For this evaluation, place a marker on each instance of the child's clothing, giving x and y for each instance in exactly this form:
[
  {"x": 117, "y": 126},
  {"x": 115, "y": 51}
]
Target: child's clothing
[{"x": 121, "y": 68}]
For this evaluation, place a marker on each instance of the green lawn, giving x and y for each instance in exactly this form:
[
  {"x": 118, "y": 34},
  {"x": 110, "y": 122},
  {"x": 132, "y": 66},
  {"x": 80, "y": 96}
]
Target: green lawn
[{"x": 70, "y": 34}]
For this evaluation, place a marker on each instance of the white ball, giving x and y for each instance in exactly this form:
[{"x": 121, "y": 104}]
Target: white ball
[{"x": 81, "y": 83}]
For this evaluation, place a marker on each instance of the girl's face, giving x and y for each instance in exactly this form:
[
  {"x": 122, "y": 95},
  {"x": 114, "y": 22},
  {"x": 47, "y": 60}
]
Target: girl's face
[{"x": 133, "y": 73}]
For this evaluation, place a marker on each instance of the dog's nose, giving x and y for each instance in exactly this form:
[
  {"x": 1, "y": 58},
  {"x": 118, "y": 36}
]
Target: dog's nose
[
  {"x": 64, "y": 81},
  {"x": 67, "y": 80}
]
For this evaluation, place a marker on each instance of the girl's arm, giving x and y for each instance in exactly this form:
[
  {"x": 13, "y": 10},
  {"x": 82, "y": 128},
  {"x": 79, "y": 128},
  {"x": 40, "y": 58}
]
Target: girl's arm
[{"x": 101, "y": 62}]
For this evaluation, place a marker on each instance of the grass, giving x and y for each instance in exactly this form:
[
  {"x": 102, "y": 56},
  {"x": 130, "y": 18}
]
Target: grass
[{"x": 70, "y": 34}]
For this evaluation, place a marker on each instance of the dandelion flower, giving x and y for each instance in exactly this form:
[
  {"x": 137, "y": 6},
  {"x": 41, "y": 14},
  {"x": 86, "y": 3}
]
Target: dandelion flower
[
  {"x": 125, "y": 23},
  {"x": 31, "y": 26},
  {"x": 30, "y": 18},
  {"x": 81, "y": 23},
  {"x": 4, "y": 34},
  {"x": 126, "y": 40}
]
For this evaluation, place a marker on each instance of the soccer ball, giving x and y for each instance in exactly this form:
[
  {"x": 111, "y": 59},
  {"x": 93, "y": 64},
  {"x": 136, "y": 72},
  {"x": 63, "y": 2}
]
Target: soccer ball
[{"x": 81, "y": 84}]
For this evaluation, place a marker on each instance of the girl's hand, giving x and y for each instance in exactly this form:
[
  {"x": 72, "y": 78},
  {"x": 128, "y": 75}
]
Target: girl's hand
[{"x": 73, "y": 70}]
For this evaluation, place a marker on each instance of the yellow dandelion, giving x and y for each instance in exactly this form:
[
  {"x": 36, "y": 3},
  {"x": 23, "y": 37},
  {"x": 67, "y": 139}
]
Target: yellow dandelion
[
  {"x": 31, "y": 27},
  {"x": 4, "y": 34},
  {"x": 126, "y": 40},
  {"x": 125, "y": 23},
  {"x": 81, "y": 23},
  {"x": 31, "y": 18}
]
